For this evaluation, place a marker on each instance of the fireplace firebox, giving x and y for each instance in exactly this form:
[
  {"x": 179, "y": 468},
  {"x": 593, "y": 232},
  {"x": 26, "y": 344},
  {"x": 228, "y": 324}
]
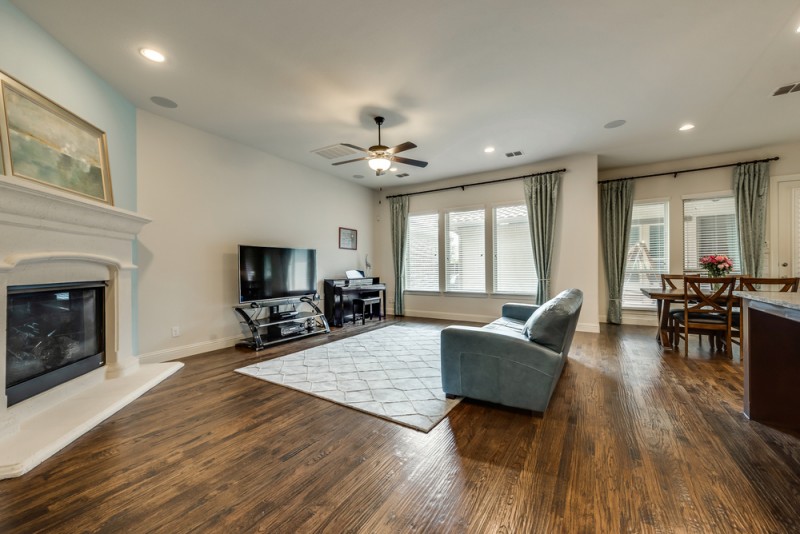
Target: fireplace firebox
[{"x": 55, "y": 333}]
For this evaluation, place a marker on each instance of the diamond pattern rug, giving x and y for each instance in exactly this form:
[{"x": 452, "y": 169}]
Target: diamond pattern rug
[{"x": 393, "y": 373}]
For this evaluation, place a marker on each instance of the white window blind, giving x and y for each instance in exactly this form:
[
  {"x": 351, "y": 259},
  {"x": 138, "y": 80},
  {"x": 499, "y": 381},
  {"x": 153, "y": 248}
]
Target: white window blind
[
  {"x": 514, "y": 271},
  {"x": 709, "y": 227},
  {"x": 465, "y": 263},
  {"x": 648, "y": 253},
  {"x": 422, "y": 253}
]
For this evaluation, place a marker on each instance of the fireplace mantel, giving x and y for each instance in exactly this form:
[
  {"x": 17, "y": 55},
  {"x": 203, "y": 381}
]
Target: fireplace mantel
[
  {"x": 50, "y": 236},
  {"x": 25, "y": 203}
]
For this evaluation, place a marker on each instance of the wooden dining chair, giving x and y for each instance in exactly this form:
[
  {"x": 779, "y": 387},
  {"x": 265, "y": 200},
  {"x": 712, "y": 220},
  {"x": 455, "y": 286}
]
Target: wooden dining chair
[
  {"x": 672, "y": 281},
  {"x": 782, "y": 285},
  {"x": 750, "y": 283},
  {"x": 705, "y": 311}
]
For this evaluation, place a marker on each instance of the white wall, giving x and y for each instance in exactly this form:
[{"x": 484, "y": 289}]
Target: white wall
[
  {"x": 33, "y": 57},
  {"x": 576, "y": 244},
  {"x": 675, "y": 189},
  {"x": 206, "y": 195}
]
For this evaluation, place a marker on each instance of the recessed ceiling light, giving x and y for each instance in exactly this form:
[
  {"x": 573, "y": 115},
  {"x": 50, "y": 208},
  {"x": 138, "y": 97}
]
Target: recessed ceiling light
[
  {"x": 152, "y": 55},
  {"x": 686, "y": 127},
  {"x": 798, "y": 29},
  {"x": 614, "y": 124},
  {"x": 393, "y": 169},
  {"x": 489, "y": 149}
]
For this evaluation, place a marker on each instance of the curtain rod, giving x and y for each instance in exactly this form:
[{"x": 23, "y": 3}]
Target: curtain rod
[
  {"x": 462, "y": 187},
  {"x": 676, "y": 173}
]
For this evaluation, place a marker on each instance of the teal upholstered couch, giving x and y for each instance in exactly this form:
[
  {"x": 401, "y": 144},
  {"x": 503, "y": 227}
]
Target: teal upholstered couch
[{"x": 516, "y": 360}]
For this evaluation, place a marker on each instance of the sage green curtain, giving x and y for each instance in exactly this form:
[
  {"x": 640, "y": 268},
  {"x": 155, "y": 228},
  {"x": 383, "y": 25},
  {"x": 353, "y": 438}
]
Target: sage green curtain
[
  {"x": 750, "y": 184},
  {"x": 616, "y": 208},
  {"x": 399, "y": 215},
  {"x": 541, "y": 197}
]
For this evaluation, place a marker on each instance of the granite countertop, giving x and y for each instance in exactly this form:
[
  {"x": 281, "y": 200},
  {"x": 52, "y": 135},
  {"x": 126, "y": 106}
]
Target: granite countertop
[{"x": 787, "y": 300}]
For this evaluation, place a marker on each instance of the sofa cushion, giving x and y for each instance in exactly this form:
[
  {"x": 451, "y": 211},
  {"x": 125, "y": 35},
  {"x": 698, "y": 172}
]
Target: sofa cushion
[
  {"x": 549, "y": 323},
  {"x": 506, "y": 326}
]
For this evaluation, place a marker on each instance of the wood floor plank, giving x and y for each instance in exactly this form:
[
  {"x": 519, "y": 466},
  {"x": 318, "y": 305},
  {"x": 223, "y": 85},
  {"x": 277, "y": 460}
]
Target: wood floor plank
[{"x": 636, "y": 439}]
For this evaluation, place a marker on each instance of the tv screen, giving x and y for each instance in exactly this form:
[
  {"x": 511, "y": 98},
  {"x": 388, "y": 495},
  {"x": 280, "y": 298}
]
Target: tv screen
[{"x": 272, "y": 273}]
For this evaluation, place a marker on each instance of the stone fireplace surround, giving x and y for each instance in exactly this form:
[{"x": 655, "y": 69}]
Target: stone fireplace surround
[{"x": 47, "y": 236}]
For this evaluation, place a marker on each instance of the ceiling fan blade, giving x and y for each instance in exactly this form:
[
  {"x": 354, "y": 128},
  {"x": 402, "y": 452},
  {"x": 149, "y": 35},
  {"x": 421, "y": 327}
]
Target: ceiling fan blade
[
  {"x": 407, "y": 161},
  {"x": 355, "y": 147},
  {"x": 350, "y": 160},
  {"x": 408, "y": 145}
]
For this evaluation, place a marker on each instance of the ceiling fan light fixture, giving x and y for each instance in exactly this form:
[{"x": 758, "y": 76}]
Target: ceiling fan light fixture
[{"x": 379, "y": 164}]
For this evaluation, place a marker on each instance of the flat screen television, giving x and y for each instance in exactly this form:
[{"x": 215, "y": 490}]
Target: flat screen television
[{"x": 273, "y": 273}]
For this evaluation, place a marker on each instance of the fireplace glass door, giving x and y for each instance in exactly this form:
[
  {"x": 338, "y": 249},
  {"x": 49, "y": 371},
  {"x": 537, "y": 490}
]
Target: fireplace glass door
[{"x": 54, "y": 333}]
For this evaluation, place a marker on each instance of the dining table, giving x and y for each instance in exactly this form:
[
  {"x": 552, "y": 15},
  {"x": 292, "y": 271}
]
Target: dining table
[{"x": 664, "y": 299}]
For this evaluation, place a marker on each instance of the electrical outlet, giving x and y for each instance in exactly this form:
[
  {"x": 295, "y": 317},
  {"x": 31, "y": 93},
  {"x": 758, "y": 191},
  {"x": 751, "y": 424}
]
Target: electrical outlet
[{"x": 176, "y": 331}]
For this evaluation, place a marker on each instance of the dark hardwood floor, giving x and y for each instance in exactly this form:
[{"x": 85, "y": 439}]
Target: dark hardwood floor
[{"x": 635, "y": 440}]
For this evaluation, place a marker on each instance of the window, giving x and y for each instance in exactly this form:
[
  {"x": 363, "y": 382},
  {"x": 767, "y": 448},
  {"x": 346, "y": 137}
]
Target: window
[
  {"x": 422, "y": 253},
  {"x": 648, "y": 255},
  {"x": 465, "y": 263},
  {"x": 709, "y": 227},
  {"x": 514, "y": 271}
]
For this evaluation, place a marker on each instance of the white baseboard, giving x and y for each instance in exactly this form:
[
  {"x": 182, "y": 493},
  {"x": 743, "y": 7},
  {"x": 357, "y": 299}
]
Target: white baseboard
[
  {"x": 166, "y": 355},
  {"x": 592, "y": 328},
  {"x": 640, "y": 317},
  {"x": 448, "y": 316}
]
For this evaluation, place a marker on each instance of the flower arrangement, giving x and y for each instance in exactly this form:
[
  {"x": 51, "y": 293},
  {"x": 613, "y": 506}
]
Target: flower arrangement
[{"x": 716, "y": 265}]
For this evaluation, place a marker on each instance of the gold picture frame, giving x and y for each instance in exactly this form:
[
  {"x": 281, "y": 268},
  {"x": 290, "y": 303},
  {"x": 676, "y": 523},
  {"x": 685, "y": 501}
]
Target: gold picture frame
[{"x": 45, "y": 143}]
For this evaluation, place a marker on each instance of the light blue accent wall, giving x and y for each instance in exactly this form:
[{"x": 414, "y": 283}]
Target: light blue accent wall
[{"x": 36, "y": 59}]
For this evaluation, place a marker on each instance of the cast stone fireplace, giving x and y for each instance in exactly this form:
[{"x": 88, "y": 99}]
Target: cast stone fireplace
[{"x": 48, "y": 237}]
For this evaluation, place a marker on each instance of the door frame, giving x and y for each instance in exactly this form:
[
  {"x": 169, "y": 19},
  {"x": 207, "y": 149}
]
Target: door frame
[{"x": 772, "y": 215}]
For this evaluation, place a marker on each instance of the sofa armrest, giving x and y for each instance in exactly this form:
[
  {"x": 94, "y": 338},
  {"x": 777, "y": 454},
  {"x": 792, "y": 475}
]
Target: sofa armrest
[
  {"x": 469, "y": 339},
  {"x": 520, "y": 312}
]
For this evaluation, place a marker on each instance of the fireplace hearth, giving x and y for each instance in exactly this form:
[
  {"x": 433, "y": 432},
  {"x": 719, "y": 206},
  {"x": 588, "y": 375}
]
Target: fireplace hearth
[
  {"x": 55, "y": 333},
  {"x": 77, "y": 335}
]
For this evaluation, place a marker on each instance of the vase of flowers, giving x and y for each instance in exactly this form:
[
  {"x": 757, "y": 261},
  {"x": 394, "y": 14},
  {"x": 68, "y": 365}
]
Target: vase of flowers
[{"x": 716, "y": 265}]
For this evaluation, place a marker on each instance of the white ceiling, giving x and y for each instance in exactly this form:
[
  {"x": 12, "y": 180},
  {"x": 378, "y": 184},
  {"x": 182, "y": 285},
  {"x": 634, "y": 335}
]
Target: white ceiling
[{"x": 539, "y": 76}]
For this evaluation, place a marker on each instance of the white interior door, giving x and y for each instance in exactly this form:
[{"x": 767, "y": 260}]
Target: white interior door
[{"x": 788, "y": 230}]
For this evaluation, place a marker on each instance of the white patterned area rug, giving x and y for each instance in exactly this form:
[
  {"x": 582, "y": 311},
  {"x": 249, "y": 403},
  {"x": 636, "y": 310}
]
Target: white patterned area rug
[{"x": 392, "y": 372}]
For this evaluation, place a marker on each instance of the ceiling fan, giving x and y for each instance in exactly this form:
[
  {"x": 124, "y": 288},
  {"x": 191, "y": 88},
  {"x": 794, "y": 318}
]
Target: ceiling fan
[{"x": 380, "y": 157}]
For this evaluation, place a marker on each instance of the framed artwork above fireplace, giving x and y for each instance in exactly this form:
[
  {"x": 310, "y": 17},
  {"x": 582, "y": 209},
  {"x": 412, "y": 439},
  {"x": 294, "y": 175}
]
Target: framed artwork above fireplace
[{"x": 43, "y": 142}]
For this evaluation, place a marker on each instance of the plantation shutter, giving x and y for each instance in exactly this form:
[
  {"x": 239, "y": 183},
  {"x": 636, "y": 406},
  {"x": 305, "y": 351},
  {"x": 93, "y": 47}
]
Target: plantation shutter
[
  {"x": 648, "y": 253},
  {"x": 422, "y": 253},
  {"x": 514, "y": 271},
  {"x": 709, "y": 227},
  {"x": 465, "y": 263}
]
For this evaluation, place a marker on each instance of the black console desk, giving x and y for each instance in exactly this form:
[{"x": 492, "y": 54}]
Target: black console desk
[{"x": 340, "y": 292}]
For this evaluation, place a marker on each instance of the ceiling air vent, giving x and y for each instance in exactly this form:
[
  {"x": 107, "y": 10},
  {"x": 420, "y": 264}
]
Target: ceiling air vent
[
  {"x": 786, "y": 89},
  {"x": 335, "y": 151},
  {"x": 402, "y": 175},
  {"x": 513, "y": 154}
]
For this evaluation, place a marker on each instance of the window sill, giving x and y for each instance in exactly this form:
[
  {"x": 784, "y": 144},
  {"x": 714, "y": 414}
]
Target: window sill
[
  {"x": 422, "y": 293},
  {"x": 465, "y": 294},
  {"x": 525, "y": 296}
]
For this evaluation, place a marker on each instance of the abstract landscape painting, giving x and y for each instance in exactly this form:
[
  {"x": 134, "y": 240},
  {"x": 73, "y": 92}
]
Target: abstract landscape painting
[{"x": 48, "y": 144}]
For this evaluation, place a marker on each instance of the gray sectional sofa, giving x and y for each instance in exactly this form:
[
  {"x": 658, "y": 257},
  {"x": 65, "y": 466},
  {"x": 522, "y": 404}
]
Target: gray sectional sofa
[{"x": 516, "y": 360}]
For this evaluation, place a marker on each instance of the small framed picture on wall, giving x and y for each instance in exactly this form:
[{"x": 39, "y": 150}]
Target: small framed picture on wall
[{"x": 348, "y": 238}]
